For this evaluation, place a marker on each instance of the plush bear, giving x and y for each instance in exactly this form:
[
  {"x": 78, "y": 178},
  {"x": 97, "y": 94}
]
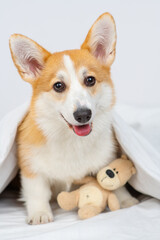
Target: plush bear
[
  {"x": 94, "y": 195},
  {"x": 116, "y": 174}
]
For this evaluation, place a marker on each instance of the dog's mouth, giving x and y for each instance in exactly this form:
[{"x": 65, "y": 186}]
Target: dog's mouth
[{"x": 81, "y": 130}]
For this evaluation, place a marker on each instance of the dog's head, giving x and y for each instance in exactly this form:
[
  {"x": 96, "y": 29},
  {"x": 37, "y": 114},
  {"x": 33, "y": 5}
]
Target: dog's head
[{"x": 72, "y": 87}]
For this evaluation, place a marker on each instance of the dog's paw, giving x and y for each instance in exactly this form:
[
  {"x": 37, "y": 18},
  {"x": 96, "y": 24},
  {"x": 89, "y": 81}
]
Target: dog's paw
[
  {"x": 40, "y": 218},
  {"x": 129, "y": 202}
]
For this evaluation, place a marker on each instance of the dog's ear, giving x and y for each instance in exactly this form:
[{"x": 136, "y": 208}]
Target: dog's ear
[
  {"x": 28, "y": 56},
  {"x": 101, "y": 39}
]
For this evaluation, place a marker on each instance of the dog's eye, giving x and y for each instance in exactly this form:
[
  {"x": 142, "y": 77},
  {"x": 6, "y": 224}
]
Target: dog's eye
[
  {"x": 89, "y": 81},
  {"x": 59, "y": 86},
  {"x": 117, "y": 172},
  {"x": 114, "y": 169}
]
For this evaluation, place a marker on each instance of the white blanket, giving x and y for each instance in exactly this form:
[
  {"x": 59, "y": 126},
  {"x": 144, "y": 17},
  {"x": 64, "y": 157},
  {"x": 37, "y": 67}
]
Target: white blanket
[{"x": 139, "y": 136}]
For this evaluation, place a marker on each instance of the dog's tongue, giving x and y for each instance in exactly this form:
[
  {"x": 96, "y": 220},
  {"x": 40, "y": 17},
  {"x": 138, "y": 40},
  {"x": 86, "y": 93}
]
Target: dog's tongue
[{"x": 82, "y": 130}]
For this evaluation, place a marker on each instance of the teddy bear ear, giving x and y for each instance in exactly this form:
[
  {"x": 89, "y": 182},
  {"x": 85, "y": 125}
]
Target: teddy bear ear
[
  {"x": 133, "y": 170},
  {"x": 124, "y": 157}
]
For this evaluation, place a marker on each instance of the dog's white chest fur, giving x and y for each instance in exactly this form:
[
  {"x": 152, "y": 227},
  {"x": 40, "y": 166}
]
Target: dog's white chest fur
[{"x": 70, "y": 157}]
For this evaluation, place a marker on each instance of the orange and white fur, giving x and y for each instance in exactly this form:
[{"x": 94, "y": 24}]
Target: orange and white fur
[{"x": 67, "y": 132}]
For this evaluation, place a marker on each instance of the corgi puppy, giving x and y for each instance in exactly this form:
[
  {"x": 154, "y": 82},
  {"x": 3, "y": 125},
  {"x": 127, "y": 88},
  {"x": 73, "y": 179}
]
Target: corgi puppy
[{"x": 67, "y": 132}]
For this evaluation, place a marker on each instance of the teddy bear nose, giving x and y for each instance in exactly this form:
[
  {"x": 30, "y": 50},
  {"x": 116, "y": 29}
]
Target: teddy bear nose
[{"x": 110, "y": 173}]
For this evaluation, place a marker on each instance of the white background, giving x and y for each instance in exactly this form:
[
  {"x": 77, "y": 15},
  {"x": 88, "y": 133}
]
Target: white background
[{"x": 63, "y": 24}]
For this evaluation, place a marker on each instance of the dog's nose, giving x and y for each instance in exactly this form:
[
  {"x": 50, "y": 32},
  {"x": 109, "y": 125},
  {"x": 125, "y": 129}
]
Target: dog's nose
[
  {"x": 82, "y": 115},
  {"x": 110, "y": 173}
]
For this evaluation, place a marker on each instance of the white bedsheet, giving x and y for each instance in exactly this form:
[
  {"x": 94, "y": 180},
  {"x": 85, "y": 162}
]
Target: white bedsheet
[
  {"x": 141, "y": 142},
  {"x": 140, "y": 222}
]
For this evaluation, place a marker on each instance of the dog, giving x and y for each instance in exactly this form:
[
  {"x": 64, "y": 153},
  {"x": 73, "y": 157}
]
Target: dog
[{"x": 67, "y": 132}]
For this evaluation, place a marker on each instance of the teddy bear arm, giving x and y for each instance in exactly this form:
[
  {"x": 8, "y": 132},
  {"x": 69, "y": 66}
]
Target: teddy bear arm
[
  {"x": 84, "y": 180},
  {"x": 68, "y": 200},
  {"x": 113, "y": 202}
]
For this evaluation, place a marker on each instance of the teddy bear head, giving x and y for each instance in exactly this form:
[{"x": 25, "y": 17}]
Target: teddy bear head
[{"x": 116, "y": 174}]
